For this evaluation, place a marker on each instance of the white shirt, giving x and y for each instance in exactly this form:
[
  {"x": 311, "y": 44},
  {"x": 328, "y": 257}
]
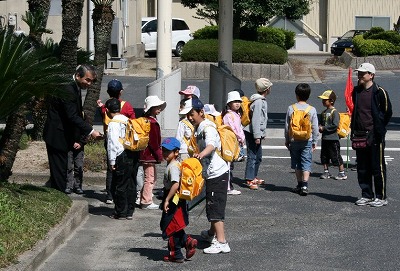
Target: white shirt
[
  {"x": 115, "y": 131},
  {"x": 207, "y": 134},
  {"x": 183, "y": 131}
]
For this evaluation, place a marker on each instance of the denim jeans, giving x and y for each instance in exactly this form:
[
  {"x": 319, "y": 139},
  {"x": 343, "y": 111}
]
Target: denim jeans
[{"x": 254, "y": 157}]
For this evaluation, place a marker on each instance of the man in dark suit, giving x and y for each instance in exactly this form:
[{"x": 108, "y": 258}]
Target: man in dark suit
[{"x": 64, "y": 120}]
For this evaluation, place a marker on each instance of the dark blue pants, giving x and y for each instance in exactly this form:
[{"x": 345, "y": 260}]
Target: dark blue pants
[{"x": 254, "y": 157}]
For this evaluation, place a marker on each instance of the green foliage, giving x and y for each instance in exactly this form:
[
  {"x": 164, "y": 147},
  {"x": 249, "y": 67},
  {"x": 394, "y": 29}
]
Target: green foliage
[
  {"x": 281, "y": 37},
  {"x": 95, "y": 156},
  {"x": 252, "y": 13},
  {"x": 27, "y": 214},
  {"x": 207, "y": 32},
  {"x": 243, "y": 52},
  {"x": 26, "y": 72},
  {"x": 390, "y": 36},
  {"x": 373, "y": 31},
  {"x": 363, "y": 47}
]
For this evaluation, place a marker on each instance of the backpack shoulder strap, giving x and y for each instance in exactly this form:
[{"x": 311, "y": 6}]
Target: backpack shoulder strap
[
  {"x": 119, "y": 121},
  {"x": 294, "y": 107},
  {"x": 307, "y": 109}
]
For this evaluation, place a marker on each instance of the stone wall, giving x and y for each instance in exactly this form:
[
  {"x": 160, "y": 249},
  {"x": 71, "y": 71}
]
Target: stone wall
[
  {"x": 389, "y": 62},
  {"x": 243, "y": 71}
]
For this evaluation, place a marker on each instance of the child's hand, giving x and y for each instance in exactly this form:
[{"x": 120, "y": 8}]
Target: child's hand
[
  {"x": 99, "y": 103},
  {"x": 321, "y": 129},
  {"x": 166, "y": 204},
  {"x": 258, "y": 141}
]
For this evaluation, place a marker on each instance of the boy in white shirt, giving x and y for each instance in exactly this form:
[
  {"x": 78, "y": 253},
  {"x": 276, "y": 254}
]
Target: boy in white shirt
[
  {"x": 215, "y": 172},
  {"x": 121, "y": 163}
]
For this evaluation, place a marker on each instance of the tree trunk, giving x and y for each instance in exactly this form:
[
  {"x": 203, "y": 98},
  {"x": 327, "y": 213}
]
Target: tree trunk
[
  {"x": 39, "y": 114},
  {"x": 9, "y": 142},
  {"x": 103, "y": 17},
  {"x": 72, "y": 11}
]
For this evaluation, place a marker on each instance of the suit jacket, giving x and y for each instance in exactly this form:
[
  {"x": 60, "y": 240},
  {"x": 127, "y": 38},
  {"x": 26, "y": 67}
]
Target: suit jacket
[{"x": 65, "y": 120}]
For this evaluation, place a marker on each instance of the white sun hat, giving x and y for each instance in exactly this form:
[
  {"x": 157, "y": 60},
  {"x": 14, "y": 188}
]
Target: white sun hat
[
  {"x": 366, "y": 67},
  {"x": 233, "y": 96},
  {"x": 210, "y": 110},
  {"x": 152, "y": 101}
]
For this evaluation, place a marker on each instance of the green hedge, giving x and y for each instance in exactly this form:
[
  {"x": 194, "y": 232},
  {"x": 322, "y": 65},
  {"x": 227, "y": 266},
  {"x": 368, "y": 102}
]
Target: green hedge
[
  {"x": 207, "y": 32},
  {"x": 243, "y": 52},
  {"x": 281, "y": 37},
  {"x": 363, "y": 47},
  {"x": 390, "y": 36}
]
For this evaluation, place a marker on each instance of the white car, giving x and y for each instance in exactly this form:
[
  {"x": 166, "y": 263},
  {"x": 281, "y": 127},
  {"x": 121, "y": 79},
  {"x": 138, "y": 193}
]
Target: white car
[{"x": 180, "y": 35}]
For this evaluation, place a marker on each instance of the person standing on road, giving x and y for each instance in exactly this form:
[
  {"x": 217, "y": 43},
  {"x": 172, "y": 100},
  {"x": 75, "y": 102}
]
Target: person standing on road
[
  {"x": 114, "y": 90},
  {"x": 64, "y": 118},
  {"x": 372, "y": 112},
  {"x": 301, "y": 149},
  {"x": 255, "y": 132}
]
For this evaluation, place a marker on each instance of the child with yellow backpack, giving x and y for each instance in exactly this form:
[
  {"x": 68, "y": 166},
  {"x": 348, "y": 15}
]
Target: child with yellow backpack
[{"x": 184, "y": 134}]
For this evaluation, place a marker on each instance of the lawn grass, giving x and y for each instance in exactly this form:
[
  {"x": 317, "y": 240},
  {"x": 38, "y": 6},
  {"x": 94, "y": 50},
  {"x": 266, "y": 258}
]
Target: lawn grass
[{"x": 27, "y": 214}]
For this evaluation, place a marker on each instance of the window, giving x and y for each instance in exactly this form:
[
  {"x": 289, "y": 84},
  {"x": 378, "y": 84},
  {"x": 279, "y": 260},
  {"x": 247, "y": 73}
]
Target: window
[
  {"x": 366, "y": 22},
  {"x": 179, "y": 25},
  {"x": 150, "y": 27},
  {"x": 55, "y": 8}
]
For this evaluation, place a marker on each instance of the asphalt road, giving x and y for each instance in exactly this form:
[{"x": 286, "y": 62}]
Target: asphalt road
[{"x": 268, "y": 229}]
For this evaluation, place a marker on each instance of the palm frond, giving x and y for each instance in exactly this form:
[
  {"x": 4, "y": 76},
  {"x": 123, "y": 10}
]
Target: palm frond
[
  {"x": 27, "y": 72},
  {"x": 102, "y": 2}
]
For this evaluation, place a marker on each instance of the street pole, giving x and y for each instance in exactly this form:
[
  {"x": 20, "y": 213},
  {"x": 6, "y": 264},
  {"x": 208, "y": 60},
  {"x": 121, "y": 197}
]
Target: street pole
[
  {"x": 164, "y": 31},
  {"x": 225, "y": 34}
]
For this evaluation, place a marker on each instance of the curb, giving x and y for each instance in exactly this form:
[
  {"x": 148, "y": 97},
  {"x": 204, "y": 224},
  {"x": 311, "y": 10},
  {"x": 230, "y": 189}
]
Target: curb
[{"x": 33, "y": 258}]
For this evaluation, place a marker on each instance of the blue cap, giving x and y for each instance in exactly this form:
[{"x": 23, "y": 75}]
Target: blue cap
[
  {"x": 171, "y": 143},
  {"x": 114, "y": 85}
]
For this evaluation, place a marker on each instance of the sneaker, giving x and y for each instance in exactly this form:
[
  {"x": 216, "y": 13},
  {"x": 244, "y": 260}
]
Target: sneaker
[
  {"x": 109, "y": 201},
  {"x": 129, "y": 217},
  {"x": 150, "y": 206},
  {"x": 118, "y": 217},
  {"x": 209, "y": 238},
  {"x": 326, "y": 175},
  {"x": 190, "y": 247},
  {"x": 252, "y": 185},
  {"x": 296, "y": 190},
  {"x": 234, "y": 192},
  {"x": 217, "y": 247},
  {"x": 304, "y": 191},
  {"x": 363, "y": 201},
  {"x": 170, "y": 258},
  {"x": 341, "y": 176},
  {"x": 258, "y": 181},
  {"x": 378, "y": 203}
]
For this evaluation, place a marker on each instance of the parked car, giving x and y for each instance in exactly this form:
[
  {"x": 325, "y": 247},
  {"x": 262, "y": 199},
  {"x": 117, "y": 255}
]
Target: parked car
[
  {"x": 180, "y": 35},
  {"x": 345, "y": 42}
]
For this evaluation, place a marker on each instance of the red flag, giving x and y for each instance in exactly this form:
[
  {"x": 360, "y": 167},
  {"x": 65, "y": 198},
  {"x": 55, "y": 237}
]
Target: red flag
[{"x": 348, "y": 92}]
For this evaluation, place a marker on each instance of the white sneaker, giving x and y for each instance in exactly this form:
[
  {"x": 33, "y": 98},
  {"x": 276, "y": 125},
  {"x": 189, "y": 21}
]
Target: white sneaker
[
  {"x": 378, "y": 203},
  {"x": 363, "y": 201},
  {"x": 217, "y": 247},
  {"x": 234, "y": 192},
  {"x": 209, "y": 238},
  {"x": 151, "y": 206},
  {"x": 109, "y": 201}
]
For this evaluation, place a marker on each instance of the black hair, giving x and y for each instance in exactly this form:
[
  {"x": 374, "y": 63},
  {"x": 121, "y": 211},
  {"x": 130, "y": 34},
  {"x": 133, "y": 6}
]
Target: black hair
[
  {"x": 303, "y": 91},
  {"x": 113, "y": 93},
  {"x": 223, "y": 113},
  {"x": 113, "y": 105},
  {"x": 81, "y": 70},
  {"x": 183, "y": 101}
]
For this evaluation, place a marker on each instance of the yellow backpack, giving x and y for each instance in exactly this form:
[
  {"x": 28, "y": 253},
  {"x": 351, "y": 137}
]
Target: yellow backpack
[
  {"x": 192, "y": 181},
  {"x": 300, "y": 124},
  {"x": 106, "y": 119},
  {"x": 246, "y": 116},
  {"x": 230, "y": 149},
  {"x": 343, "y": 129},
  {"x": 216, "y": 119},
  {"x": 136, "y": 135}
]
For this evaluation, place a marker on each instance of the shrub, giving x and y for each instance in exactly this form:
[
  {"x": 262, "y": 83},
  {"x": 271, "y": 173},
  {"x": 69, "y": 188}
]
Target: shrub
[
  {"x": 289, "y": 38},
  {"x": 247, "y": 33},
  {"x": 390, "y": 36},
  {"x": 363, "y": 47},
  {"x": 271, "y": 35},
  {"x": 243, "y": 52},
  {"x": 373, "y": 31},
  {"x": 207, "y": 32}
]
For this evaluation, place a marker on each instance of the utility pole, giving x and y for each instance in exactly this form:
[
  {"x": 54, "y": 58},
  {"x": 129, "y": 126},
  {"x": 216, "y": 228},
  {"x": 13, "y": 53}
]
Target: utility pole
[{"x": 164, "y": 32}]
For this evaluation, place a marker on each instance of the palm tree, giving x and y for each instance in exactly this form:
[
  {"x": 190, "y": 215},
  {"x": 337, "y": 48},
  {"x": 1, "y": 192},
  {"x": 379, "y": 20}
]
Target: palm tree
[
  {"x": 36, "y": 19},
  {"x": 25, "y": 72},
  {"x": 72, "y": 11},
  {"x": 103, "y": 17}
]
